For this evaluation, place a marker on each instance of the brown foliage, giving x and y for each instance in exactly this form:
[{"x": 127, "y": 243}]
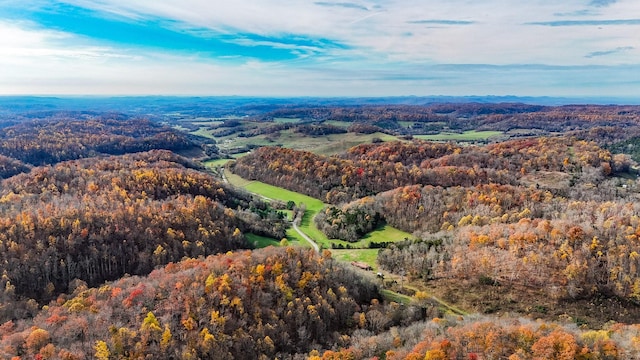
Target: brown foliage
[
  {"x": 271, "y": 302},
  {"x": 50, "y": 141},
  {"x": 97, "y": 219}
]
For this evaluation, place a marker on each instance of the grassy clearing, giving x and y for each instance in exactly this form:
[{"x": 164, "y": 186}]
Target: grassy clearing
[
  {"x": 430, "y": 124},
  {"x": 343, "y": 142},
  {"x": 261, "y": 241},
  {"x": 322, "y": 145},
  {"x": 367, "y": 256},
  {"x": 382, "y": 234},
  {"x": 465, "y": 136},
  {"x": 277, "y": 193},
  {"x": 284, "y": 120},
  {"x": 292, "y": 236},
  {"x": 239, "y": 155},
  {"x": 236, "y": 180},
  {"x": 207, "y": 122},
  {"x": 307, "y": 225},
  {"x": 338, "y": 123},
  {"x": 386, "y": 234},
  {"x": 180, "y": 128},
  {"x": 235, "y": 142},
  {"x": 273, "y": 192},
  {"x": 325, "y": 145},
  {"x": 204, "y": 132},
  {"x": 295, "y": 238},
  {"x": 214, "y": 163}
]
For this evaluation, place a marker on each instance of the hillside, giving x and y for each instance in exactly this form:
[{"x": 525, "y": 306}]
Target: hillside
[
  {"x": 551, "y": 214},
  {"x": 100, "y": 218},
  {"x": 265, "y": 304},
  {"x": 51, "y": 140},
  {"x": 523, "y": 222}
]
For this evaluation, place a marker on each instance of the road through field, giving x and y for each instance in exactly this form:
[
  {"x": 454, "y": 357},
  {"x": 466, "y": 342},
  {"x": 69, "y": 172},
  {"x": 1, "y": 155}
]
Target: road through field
[
  {"x": 295, "y": 226},
  {"x": 308, "y": 239}
]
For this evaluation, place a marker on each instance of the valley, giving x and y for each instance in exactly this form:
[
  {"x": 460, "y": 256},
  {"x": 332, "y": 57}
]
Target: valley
[{"x": 487, "y": 231}]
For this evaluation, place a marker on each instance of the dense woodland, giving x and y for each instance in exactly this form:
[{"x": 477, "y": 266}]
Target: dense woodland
[
  {"x": 48, "y": 141},
  {"x": 550, "y": 213},
  {"x": 266, "y": 304},
  {"x": 101, "y": 217},
  {"x": 97, "y": 219},
  {"x": 480, "y": 337},
  {"x": 114, "y": 247},
  {"x": 370, "y": 169},
  {"x": 10, "y": 167}
]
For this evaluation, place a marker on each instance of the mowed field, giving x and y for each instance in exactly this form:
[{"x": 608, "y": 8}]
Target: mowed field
[
  {"x": 368, "y": 256},
  {"x": 215, "y": 163},
  {"x": 465, "y": 136},
  {"x": 323, "y": 145},
  {"x": 360, "y": 250},
  {"x": 261, "y": 241},
  {"x": 276, "y": 193}
]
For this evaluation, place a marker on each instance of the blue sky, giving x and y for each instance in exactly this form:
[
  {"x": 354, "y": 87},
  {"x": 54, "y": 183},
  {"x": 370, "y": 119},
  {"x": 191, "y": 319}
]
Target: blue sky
[{"x": 320, "y": 48}]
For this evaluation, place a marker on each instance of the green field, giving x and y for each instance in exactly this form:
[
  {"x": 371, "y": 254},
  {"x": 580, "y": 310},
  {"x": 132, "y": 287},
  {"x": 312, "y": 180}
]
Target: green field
[
  {"x": 284, "y": 120},
  {"x": 236, "y": 180},
  {"x": 382, "y": 234},
  {"x": 295, "y": 238},
  {"x": 214, "y": 163},
  {"x": 368, "y": 256},
  {"x": 396, "y": 297},
  {"x": 465, "y": 136},
  {"x": 338, "y": 123},
  {"x": 261, "y": 241},
  {"x": 276, "y": 193},
  {"x": 206, "y": 122},
  {"x": 324, "y": 145},
  {"x": 343, "y": 142},
  {"x": 427, "y": 124},
  {"x": 204, "y": 132}
]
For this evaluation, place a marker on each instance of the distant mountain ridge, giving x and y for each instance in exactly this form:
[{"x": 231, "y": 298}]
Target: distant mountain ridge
[{"x": 224, "y": 105}]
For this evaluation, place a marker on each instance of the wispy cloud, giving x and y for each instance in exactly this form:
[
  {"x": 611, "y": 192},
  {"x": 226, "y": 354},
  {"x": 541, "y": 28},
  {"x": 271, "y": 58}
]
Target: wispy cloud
[
  {"x": 159, "y": 33},
  {"x": 342, "y": 4},
  {"x": 609, "y": 52},
  {"x": 587, "y": 22},
  {"x": 326, "y": 47},
  {"x": 577, "y": 13},
  {"x": 441, "y": 22},
  {"x": 602, "y": 3}
]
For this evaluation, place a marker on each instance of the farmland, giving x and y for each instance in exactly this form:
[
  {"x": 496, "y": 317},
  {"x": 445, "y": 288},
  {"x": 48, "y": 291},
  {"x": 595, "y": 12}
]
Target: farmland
[
  {"x": 471, "y": 135},
  {"x": 313, "y": 206}
]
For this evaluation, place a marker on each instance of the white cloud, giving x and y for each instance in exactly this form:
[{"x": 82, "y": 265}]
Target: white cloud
[
  {"x": 497, "y": 36},
  {"x": 388, "y": 50}
]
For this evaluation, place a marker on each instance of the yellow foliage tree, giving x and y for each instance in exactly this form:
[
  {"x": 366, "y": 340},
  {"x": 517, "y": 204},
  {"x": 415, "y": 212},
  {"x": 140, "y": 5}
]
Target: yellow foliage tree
[{"x": 102, "y": 350}]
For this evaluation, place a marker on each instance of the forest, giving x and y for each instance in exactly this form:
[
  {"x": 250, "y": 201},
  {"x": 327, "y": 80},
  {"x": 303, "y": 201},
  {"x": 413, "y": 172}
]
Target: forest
[
  {"x": 270, "y": 303},
  {"x": 117, "y": 242},
  {"x": 491, "y": 209},
  {"x": 104, "y": 216},
  {"x": 51, "y": 140}
]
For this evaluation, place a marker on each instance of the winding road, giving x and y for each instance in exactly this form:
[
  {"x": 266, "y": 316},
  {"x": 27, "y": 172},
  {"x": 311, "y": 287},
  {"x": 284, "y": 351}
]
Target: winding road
[
  {"x": 295, "y": 227},
  {"x": 308, "y": 239},
  {"x": 387, "y": 274}
]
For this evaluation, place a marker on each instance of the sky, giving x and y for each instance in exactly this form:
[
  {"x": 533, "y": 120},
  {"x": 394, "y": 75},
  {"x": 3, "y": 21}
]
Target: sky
[{"x": 354, "y": 48}]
